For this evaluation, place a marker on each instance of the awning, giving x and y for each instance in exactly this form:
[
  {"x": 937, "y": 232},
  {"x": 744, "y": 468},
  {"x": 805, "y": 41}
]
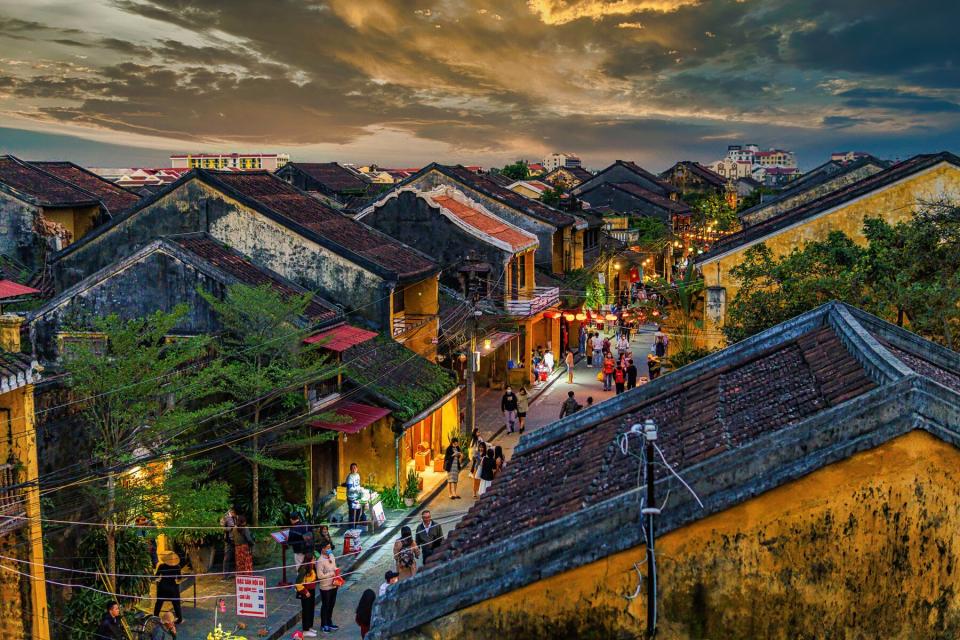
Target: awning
[
  {"x": 341, "y": 338},
  {"x": 356, "y": 416},
  {"x": 10, "y": 289},
  {"x": 497, "y": 339}
]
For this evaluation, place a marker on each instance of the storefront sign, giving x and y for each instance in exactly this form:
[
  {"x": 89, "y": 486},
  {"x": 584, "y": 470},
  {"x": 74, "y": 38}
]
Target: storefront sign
[
  {"x": 378, "y": 515},
  {"x": 252, "y": 596}
]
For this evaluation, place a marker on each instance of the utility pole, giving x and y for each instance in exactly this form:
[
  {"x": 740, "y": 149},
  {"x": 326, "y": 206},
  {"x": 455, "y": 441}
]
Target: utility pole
[
  {"x": 649, "y": 512},
  {"x": 472, "y": 364}
]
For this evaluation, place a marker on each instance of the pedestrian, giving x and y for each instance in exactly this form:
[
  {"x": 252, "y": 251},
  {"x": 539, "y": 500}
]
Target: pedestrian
[
  {"x": 306, "y": 590},
  {"x": 569, "y": 362},
  {"x": 605, "y": 346},
  {"x": 111, "y": 627},
  {"x": 508, "y": 405},
  {"x": 488, "y": 467},
  {"x": 582, "y": 341},
  {"x": 590, "y": 350},
  {"x": 243, "y": 547},
  {"x": 452, "y": 458},
  {"x": 429, "y": 535},
  {"x": 389, "y": 578},
  {"x": 167, "y": 628},
  {"x": 475, "y": 465},
  {"x": 365, "y": 611},
  {"x": 608, "y": 366},
  {"x": 631, "y": 374},
  {"x": 597, "y": 351},
  {"x": 168, "y": 585},
  {"x": 653, "y": 366},
  {"x": 475, "y": 440},
  {"x": 523, "y": 404},
  {"x": 323, "y": 535},
  {"x": 623, "y": 346},
  {"x": 498, "y": 460},
  {"x": 228, "y": 521},
  {"x": 299, "y": 538},
  {"x": 569, "y": 406},
  {"x": 406, "y": 552},
  {"x": 620, "y": 378},
  {"x": 589, "y": 401},
  {"x": 548, "y": 361},
  {"x": 354, "y": 495},
  {"x": 328, "y": 581},
  {"x": 660, "y": 346}
]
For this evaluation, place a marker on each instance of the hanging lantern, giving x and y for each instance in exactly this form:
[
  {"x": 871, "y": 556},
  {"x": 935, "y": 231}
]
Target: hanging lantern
[
  {"x": 610, "y": 317},
  {"x": 569, "y": 317},
  {"x": 581, "y": 316},
  {"x": 656, "y": 313},
  {"x": 486, "y": 344},
  {"x": 462, "y": 357},
  {"x": 551, "y": 314}
]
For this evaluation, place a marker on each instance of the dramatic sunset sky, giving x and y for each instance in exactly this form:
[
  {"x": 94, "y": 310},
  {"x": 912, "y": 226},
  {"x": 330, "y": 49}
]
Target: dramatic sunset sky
[{"x": 124, "y": 82}]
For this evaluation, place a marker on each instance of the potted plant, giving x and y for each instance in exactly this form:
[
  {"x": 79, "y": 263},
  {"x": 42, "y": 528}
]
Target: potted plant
[{"x": 412, "y": 489}]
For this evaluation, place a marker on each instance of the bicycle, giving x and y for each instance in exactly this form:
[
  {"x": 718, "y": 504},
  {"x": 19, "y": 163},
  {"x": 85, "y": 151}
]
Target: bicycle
[{"x": 148, "y": 627}]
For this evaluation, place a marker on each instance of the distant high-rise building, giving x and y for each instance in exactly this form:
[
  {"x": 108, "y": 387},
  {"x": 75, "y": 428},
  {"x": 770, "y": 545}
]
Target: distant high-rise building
[
  {"x": 557, "y": 160},
  {"x": 235, "y": 161}
]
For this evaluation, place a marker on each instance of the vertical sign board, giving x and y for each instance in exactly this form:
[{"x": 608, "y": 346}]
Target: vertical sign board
[{"x": 252, "y": 596}]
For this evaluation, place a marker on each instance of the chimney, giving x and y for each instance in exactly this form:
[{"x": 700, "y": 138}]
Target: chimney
[{"x": 10, "y": 332}]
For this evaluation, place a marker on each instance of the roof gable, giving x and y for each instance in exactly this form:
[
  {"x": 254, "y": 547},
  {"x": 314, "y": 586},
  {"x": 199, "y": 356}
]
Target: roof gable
[
  {"x": 41, "y": 187},
  {"x": 331, "y": 175},
  {"x": 113, "y": 197}
]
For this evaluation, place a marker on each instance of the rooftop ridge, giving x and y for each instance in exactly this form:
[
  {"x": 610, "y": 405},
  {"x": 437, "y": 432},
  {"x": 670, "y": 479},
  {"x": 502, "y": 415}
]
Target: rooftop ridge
[{"x": 876, "y": 359}]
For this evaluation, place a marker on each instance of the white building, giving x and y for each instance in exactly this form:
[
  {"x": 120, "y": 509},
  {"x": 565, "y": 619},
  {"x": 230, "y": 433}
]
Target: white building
[
  {"x": 236, "y": 161},
  {"x": 557, "y": 160}
]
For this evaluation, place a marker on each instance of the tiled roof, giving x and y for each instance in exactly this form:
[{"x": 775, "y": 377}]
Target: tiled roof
[
  {"x": 339, "y": 230},
  {"x": 833, "y": 199},
  {"x": 10, "y": 289},
  {"x": 500, "y": 179},
  {"x": 636, "y": 190},
  {"x": 16, "y": 370},
  {"x": 712, "y": 177},
  {"x": 486, "y": 223},
  {"x": 669, "y": 188},
  {"x": 42, "y": 187},
  {"x": 353, "y": 417},
  {"x": 720, "y": 410},
  {"x": 397, "y": 375},
  {"x": 340, "y": 338},
  {"x": 488, "y": 187},
  {"x": 332, "y": 176},
  {"x": 238, "y": 266},
  {"x": 113, "y": 197}
]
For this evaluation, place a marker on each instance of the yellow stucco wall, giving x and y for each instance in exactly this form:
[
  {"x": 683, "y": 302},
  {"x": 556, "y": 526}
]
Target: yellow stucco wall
[
  {"x": 895, "y": 203},
  {"x": 865, "y": 548},
  {"x": 374, "y": 449}
]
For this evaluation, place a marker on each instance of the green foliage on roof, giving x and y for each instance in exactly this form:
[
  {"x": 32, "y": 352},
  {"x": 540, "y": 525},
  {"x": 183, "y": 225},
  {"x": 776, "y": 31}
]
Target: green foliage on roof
[{"x": 386, "y": 368}]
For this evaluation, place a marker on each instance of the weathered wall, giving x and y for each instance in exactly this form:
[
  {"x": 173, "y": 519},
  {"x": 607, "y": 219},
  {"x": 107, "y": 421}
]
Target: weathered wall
[
  {"x": 374, "y": 449},
  {"x": 795, "y": 200},
  {"x": 412, "y": 221},
  {"x": 196, "y": 207},
  {"x": 622, "y": 201},
  {"x": 542, "y": 230},
  {"x": 895, "y": 203},
  {"x": 866, "y": 548},
  {"x": 157, "y": 283},
  {"x": 17, "y": 238}
]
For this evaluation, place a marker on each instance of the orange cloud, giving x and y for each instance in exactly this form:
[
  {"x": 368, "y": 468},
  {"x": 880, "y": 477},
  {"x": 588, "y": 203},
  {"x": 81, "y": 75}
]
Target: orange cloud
[{"x": 564, "y": 11}]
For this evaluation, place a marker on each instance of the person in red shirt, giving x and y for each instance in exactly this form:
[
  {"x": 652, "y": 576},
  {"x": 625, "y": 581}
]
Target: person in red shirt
[
  {"x": 619, "y": 378},
  {"x": 608, "y": 367}
]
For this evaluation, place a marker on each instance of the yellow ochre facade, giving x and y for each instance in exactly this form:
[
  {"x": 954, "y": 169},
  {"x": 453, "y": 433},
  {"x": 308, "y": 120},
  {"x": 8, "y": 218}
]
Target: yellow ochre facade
[
  {"x": 894, "y": 203},
  {"x": 863, "y": 548}
]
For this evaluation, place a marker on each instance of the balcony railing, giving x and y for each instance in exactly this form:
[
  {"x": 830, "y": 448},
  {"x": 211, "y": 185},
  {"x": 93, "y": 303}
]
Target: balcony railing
[
  {"x": 630, "y": 236},
  {"x": 523, "y": 304},
  {"x": 406, "y": 323},
  {"x": 12, "y": 505}
]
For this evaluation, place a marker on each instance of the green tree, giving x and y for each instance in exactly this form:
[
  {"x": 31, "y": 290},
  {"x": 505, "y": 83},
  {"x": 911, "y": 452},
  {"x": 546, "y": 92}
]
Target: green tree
[
  {"x": 141, "y": 391},
  {"x": 265, "y": 367},
  {"x": 753, "y": 199},
  {"x": 552, "y": 197},
  {"x": 517, "y": 171},
  {"x": 684, "y": 312},
  {"x": 773, "y": 290}
]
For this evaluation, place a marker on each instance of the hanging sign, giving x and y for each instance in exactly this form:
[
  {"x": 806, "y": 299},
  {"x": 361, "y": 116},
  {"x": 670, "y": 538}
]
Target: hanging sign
[{"x": 252, "y": 596}]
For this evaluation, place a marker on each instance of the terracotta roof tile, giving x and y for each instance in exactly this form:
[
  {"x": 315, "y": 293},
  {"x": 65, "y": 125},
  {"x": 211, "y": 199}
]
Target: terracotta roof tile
[
  {"x": 113, "y": 197},
  {"x": 486, "y": 223},
  {"x": 47, "y": 189},
  {"x": 331, "y": 175},
  {"x": 723, "y": 408}
]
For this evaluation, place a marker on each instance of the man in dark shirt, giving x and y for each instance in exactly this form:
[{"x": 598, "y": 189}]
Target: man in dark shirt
[
  {"x": 300, "y": 538},
  {"x": 631, "y": 374},
  {"x": 429, "y": 535},
  {"x": 110, "y": 626},
  {"x": 508, "y": 404}
]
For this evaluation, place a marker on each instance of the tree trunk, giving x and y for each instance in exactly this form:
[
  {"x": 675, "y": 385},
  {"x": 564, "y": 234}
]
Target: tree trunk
[
  {"x": 899, "y": 316},
  {"x": 255, "y": 477},
  {"x": 111, "y": 535}
]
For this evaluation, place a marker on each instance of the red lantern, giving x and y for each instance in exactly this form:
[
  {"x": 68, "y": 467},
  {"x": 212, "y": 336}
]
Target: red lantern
[{"x": 581, "y": 316}]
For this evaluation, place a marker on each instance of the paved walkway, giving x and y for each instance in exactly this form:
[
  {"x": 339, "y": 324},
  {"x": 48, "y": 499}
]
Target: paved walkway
[{"x": 378, "y": 556}]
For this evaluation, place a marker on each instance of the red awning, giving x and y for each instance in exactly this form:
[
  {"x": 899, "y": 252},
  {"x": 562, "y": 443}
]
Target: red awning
[
  {"x": 341, "y": 338},
  {"x": 360, "y": 416},
  {"x": 10, "y": 289}
]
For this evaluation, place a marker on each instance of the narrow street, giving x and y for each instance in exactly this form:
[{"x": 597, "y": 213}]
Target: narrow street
[{"x": 544, "y": 410}]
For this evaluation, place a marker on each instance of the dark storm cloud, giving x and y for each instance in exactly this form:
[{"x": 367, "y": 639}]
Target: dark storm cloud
[{"x": 657, "y": 76}]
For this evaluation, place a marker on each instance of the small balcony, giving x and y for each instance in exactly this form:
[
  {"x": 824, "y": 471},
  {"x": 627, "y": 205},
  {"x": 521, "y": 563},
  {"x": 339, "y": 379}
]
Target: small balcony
[
  {"x": 12, "y": 505},
  {"x": 406, "y": 324},
  {"x": 523, "y": 304}
]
